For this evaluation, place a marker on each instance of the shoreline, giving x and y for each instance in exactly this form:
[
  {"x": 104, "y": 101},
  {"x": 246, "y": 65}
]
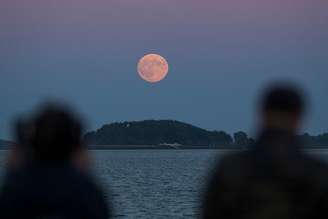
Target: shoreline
[
  {"x": 164, "y": 147},
  {"x": 168, "y": 147},
  {"x": 156, "y": 147}
]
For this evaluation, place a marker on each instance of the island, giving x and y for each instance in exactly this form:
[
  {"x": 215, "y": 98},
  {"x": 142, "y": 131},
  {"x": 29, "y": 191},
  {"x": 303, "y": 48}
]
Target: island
[
  {"x": 156, "y": 132},
  {"x": 174, "y": 134}
]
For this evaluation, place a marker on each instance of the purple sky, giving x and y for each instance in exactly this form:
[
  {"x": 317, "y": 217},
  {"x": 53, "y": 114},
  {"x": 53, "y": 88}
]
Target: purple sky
[{"x": 221, "y": 54}]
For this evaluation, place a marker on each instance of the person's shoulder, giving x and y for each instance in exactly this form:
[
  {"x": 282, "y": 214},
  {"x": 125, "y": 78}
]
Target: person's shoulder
[
  {"x": 90, "y": 194},
  {"x": 82, "y": 180},
  {"x": 316, "y": 167},
  {"x": 233, "y": 166},
  {"x": 239, "y": 159}
]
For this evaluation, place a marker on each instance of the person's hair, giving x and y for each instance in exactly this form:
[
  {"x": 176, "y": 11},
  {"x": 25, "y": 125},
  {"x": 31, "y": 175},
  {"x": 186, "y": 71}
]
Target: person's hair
[
  {"x": 286, "y": 98},
  {"x": 56, "y": 135}
]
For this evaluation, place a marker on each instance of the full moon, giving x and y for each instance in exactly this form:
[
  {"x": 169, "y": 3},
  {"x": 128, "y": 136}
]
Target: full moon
[{"x": 153, "y": 68}]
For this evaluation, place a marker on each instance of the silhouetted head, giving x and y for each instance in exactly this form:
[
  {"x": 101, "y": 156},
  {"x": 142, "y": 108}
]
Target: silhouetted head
[
  {"x": 56, "y": 134},
  {"x": 282, "y": 107}
]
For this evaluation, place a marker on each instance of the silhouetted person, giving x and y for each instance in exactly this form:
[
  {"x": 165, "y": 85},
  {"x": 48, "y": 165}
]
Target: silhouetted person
[
  {"x": 274, "y": 178},
  {"x": 48, "y": 176}
]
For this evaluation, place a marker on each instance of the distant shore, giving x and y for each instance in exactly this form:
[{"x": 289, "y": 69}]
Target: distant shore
[
  {"x": 167, "y": 147},
  {"x": 155, "y": 147},
  {"x": 184, "y": 147}
]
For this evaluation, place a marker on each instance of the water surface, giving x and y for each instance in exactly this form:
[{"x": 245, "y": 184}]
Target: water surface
[{"x": 156, "y": 183}]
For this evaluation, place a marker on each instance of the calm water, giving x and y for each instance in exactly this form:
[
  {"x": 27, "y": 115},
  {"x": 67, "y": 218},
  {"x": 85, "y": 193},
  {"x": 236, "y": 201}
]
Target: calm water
[{"x": 156, "y": 183}]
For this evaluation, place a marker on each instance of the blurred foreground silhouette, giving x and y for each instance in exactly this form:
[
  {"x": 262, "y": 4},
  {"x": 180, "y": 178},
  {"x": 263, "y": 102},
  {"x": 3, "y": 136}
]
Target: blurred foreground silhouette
[
  {"x": 47, "y": 174},
  {"x": 274, "y": 179}
]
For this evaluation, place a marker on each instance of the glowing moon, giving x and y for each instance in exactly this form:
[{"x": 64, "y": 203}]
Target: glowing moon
[{"x": 153, "y": 68}]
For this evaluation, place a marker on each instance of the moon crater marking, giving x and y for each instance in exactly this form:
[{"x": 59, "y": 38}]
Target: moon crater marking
[{"x": 153, "y": 68}]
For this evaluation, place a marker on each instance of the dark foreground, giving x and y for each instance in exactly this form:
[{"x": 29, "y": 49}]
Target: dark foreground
[{"x": 156, "y": 183}]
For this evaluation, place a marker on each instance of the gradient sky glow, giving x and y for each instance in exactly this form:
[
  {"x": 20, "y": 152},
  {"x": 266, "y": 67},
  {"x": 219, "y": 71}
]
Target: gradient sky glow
[{"x": 221, "y": 54}]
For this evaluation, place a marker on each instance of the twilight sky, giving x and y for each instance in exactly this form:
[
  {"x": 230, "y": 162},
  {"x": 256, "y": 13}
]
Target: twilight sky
[{"x": 221, "y": 54}]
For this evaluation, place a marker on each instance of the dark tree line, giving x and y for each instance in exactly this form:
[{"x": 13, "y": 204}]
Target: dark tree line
[
  {"x": 156, "y": 132},
  {"x": 315, "y": 141},
  {"x": 153, "y": 132}
]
